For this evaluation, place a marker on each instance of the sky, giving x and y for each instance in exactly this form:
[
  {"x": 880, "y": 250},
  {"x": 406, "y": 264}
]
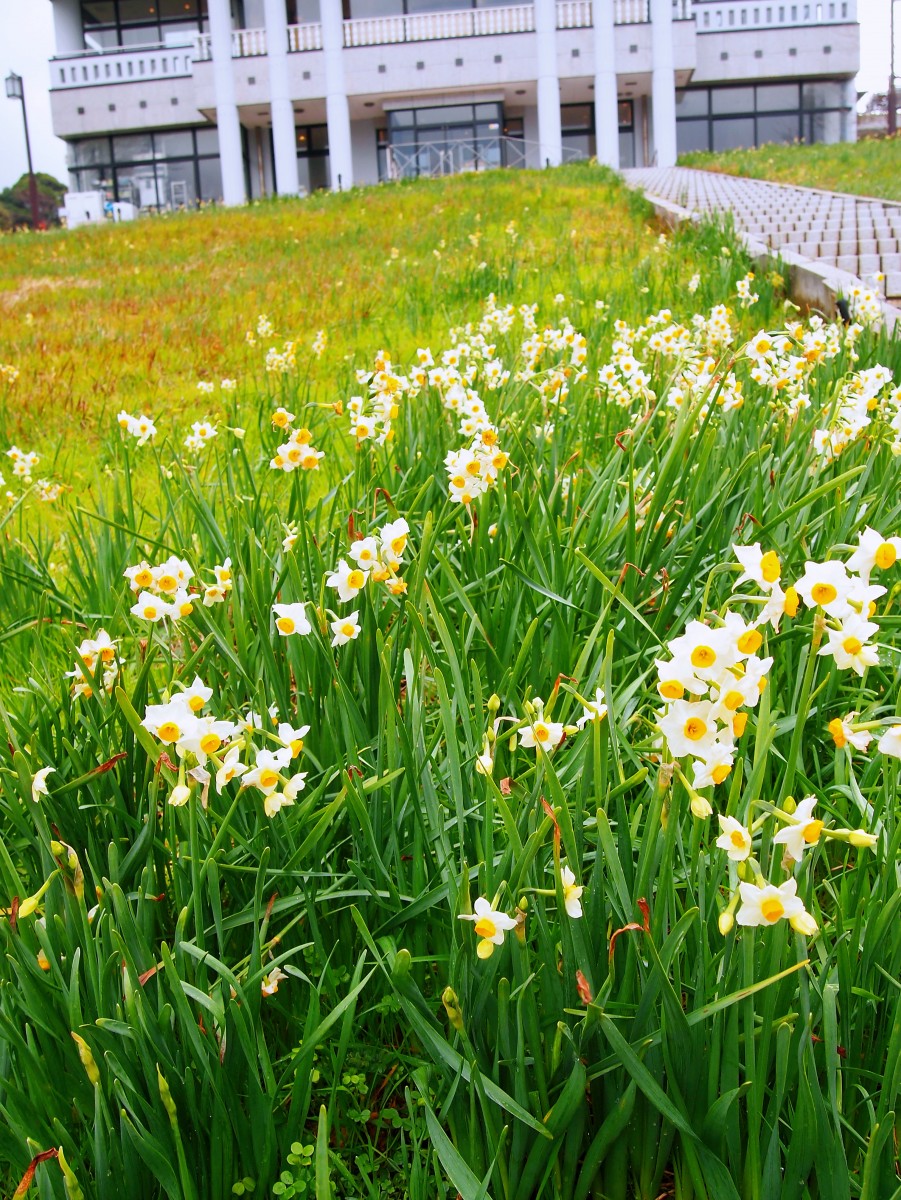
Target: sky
[{"x": 26, "y": 33}]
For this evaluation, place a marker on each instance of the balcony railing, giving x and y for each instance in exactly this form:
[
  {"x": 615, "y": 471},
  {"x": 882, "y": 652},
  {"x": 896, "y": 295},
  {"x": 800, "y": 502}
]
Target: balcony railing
[
  {"x": 731, "y": 15},
  {"x": 117, "y": 66},
  {"x": 304, "y": 37}
]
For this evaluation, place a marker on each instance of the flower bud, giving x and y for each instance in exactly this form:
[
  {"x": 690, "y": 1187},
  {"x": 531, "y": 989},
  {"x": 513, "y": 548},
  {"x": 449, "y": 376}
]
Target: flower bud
[
  {"x": 166, "y": 1097},
  {"x": 73, "y": 1189},
  {"x": 789, "y": 805},
  {"x": 494, "y": 702},
  {"x": 700, "y": 807},
  {"x": 452, "y": 1007},
  {"x": 402, "y": 964},
  {"x": 803, "y": 923},
  {"x": 726, "y": 922},
  {"x": 181, "y": 794},
  {"x": 87, "y": 1059},
  {"x": 862, "y": 839}
]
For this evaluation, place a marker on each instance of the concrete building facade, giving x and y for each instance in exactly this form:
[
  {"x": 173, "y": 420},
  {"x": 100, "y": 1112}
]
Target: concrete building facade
[{"x": 167, "y": 103}]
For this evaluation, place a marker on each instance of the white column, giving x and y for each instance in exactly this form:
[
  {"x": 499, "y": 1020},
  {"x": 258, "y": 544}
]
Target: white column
[
  {"x": 663, "y": 82},
  {"x": 67, "y": 27},
  {"x": 337, "y": 112},
  {"x": 851, "y": 118},
  {"x": 283, "y": 136},
  {"x": 230, "y": 153},
  {"x": 549, "y": 135},
  {"x": 606, "y": 107}
]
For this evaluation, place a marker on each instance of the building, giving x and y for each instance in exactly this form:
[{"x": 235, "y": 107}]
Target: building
[{"x": 165, "y": 103}]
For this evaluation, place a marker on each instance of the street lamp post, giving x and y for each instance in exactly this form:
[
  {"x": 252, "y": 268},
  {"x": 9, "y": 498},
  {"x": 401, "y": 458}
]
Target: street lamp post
[
  {"x": 15, "y": 90},
  {"x": 892, "y": 79}
]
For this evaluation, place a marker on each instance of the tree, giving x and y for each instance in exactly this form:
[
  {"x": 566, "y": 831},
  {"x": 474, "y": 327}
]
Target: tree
[{"x": 15, "y": 209}]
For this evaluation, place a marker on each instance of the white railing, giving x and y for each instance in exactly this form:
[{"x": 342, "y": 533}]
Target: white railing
[
  {"x": 427, "y": 27},
  {"x": 771, "y": 14},
  {"x": 304, "y": 37},
  {"x": 574, "y": 14},
  {"x": 630, "y": 12},
  {"x": 117, "y": 66},
  {"x": 682, "y": 10},
  {"x": 408, "y": 160}
]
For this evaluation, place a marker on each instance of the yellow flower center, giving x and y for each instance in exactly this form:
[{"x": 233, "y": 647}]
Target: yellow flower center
[
  {"x": 356, "y": 579},
  {"x": 195, "y": 703},
  {"x": 185, "y": 609},
  {"x": 362, "y": 431},
  {"x": 542, "y": 733},
  {"x": 284, "y": 625},
  {"x": 703, "y": 656},
  {"x": 772, "y": 909},
  {"x": 144, "y": 578},
  {"x": 886, "y": 555},
  {"x": 280, "y": 420},
  {"x": 489, "y": 437},
  {"x": 790, "y": 603},
  {"x": 812, "y": 831},
  {"x": 210, "y": 743},
  {"x": 694, "y": 729},
  {"x": 718, "y": 774},
  {"x": 167, "y": 583},
  {"x": 168, "y": 732},
  {"x": 348, "y": 629},
  {"x": 294, "y": 454},
  {"x": 485, "y": 927},
  {"x": 737, "y": 838},
  {"x": 852, "y": 645},
  {"x": 399, "y": 544},
  {"x": 733, "y": 700},
  {"x": 823, "y": 593},
  {"x": 838, "y": 732},
  {"x": 769, "y": 567},
  {"x": 671, "y": 690},
  {"x": 473, "y": 468},
  {"x": 149, "y": 612},
  {"x": 750, "y": 642},
  {"x": 739, "y": 721},
  {"x": 296, "y": 747},
  {"x": 268, "y": 778}
]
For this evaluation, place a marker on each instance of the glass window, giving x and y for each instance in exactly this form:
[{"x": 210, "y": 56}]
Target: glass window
[
  {"x": 822, "y": 95},
  {"x": 491, "y": 112},
  {"x": 177, "y": 185},
  {"x": 401, "y": 116},
  {"x": 98, "y": 12},
  {"x": 303, "y": 12},
  {"x": 89, "y": 151},
  {"x": 692, "y": 104},
  {"x": 313, "y": 173},
  {"x": 210, "y": 179},
  {"x": 513, "y": 127},
  {"x": 87, "y": 181},
  {"x": 578, "y": 145},
  {"x": 627, "y": 149},
  {"x": 732, "y": 100},
  {"x": 429, "y": 118},
  {"x": 319, "y": 138},
  {"x": 178, "y": 9},
  {"x": 422, "y": 6},
  {"x": 101, "y": 39},
  {"x": 133, "y": 147},
  {"x": 376, "y": 8},
  {"x": 785, "y": 128},
  {"x": 692, "y": 135},
  {"x": 178, "y": 33},
  {"x": 140, "y": 35},
  {"x": 138, "y": 185},
  {"x": 625, "y": 114},
  {"x": 774, "y": 96},
  {"x": 207, "y": 140},
  {"x": 132, "y": 12},
  {"x": 734, "y": 134},
  {"x": 576, "y": 117},
  {"x": 172, "y": 144}
]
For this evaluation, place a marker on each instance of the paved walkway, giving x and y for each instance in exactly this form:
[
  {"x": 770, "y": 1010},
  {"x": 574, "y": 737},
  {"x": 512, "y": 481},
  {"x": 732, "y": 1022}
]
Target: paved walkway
[{"x": 855, "y": 234}]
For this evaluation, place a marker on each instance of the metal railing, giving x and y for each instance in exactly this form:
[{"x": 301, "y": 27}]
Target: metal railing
[{"x": 412, "y": 160}]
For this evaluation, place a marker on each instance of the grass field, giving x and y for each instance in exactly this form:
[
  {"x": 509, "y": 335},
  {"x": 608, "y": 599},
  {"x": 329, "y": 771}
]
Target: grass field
[
  {"x": 462, "y": 757},
  {"x": 871, "y": 167}
]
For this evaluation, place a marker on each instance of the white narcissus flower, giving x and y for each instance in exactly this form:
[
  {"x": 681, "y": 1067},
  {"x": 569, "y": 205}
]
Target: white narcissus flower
[
  {"x": 266, "y": 774},
  {"x": 197, "y": 694},
  {"x": 291, "y": 737},
  {"x": 150, "y": 608},
  {"x": 804, "y": 830},
  {"x": 365, "y": 553},
  {"x": 291, "y": 618},
  {"x": 272, "y": 980},
  {"x": 541, "y": 735},
  {"x": 275, "y": 801},
  {"x": 735, "y": 839},
  {"x": 572, "y": 893},
  {"x": 768, "y": 904},
  {"x": 690, "y": 727},
  {"x": 825, "y": 585},
  {"x": 890, "y": 742},
  {"x": 490, "y": 926},
  {"x": 346, "y": 629},
  {"x": 594, "y": 710},
  {"x": 849, "y": 645},
  {"x": 180, "y": 795},
  {"x": 232, "y": 767},
  {"x": 757, "y": 567},
  {"x": 873, "y": 551},
  {"x": 348, "y": 581},
  {"x": 844, "y": 733},
  {"x": 39, "y": 783}
]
